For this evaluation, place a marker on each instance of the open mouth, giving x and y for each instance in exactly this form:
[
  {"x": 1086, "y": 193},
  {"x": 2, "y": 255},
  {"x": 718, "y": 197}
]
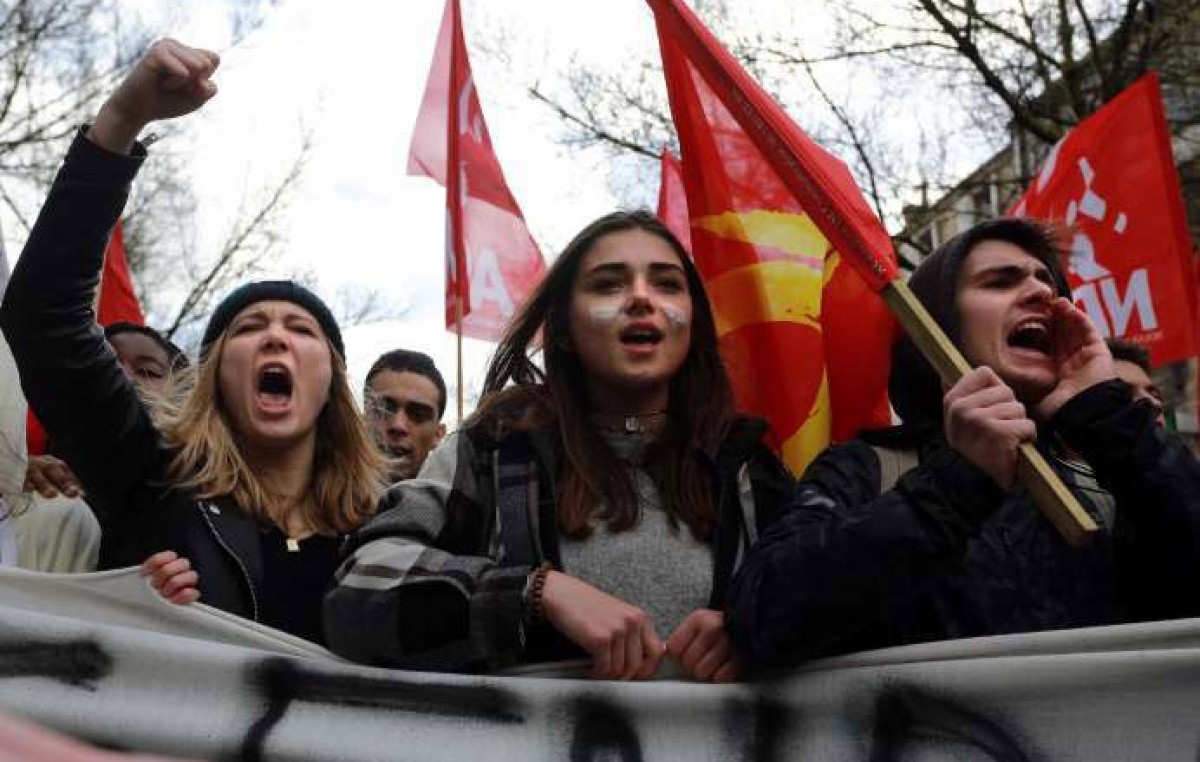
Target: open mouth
[
  {"x": 274, "y": 385},
  {"x": 1034, "y": 335},
  {"x": 641, "y": 336},
  {"x": 398, "y": 453}
]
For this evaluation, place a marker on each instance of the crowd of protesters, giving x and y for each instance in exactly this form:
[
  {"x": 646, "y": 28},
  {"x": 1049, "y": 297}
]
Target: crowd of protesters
[{"x": 606, "y": 504}]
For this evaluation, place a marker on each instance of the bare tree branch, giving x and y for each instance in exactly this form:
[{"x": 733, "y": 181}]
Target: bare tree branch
[
  {"x": 856, "y": 139},
  {"x": 974, "y": 56},
  {"x": 251, "y": 239},
  {"x": 356, "y": 304},
  {"x": 590, "y": 128}
]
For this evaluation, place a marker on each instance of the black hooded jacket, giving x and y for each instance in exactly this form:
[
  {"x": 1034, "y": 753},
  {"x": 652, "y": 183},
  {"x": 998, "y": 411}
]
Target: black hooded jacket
[
  {"x": 92, "y": 412},
  {"x": 947, "y": 553}
]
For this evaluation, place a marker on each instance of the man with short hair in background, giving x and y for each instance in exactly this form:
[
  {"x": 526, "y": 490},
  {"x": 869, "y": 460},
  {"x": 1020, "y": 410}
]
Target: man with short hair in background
[{"x": 404, "y": 398}]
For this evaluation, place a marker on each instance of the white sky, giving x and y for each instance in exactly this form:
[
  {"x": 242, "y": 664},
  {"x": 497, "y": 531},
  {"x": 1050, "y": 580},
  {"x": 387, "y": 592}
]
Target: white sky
[{"x": 352, "y": 74}]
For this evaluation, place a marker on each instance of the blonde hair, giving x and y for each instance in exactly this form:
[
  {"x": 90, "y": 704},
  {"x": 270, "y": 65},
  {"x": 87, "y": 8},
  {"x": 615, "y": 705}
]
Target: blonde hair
[{"x": 347, "y": 474}]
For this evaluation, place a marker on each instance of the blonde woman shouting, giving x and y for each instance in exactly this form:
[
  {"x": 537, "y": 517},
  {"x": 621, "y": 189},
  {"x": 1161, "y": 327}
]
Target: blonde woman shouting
[{"x": 262, "y": 462}]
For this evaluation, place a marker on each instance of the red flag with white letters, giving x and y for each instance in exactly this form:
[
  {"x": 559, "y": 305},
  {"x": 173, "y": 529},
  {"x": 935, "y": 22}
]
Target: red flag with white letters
[
  {"x": 492, "y": 262},
  {"x": 1112, "y": 181}
]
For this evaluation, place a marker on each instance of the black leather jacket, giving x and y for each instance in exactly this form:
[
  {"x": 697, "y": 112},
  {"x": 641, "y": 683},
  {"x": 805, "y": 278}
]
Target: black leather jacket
[{"x": 92, "y": 411}]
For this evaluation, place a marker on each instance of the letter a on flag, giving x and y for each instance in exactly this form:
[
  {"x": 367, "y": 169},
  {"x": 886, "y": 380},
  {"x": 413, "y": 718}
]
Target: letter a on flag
[
  {"x": 492, "y": 262},
  {"x": 1112, "y": 181},
  {"x": 805, "y": 339}
]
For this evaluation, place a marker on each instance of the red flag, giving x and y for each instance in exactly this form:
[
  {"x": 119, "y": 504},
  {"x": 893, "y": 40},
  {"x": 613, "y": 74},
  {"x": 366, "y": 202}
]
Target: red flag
[
  {"x": 775, "y": 222},
  {"x": 492, "y": 262},
  {"x": 117, "y": 301},
  {"x": 672, "y": 199},
  {"x": 35, "y": 435},
  {"x": 1112, "y": 181},
  {"x": 1195, "y": 288}
]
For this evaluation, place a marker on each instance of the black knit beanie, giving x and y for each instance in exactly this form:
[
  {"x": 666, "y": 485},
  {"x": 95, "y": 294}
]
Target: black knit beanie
[{"x": 271, "y": 290}]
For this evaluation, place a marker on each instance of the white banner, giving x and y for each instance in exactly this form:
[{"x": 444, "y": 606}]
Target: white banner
[{"x": 73, "y": 656}]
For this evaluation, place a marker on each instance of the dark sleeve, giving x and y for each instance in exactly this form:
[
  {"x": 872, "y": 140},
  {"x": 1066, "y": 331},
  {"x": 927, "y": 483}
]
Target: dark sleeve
[
  {"x": 401, "y": 600},
  {"x": 772, "y": 485},
  {"x": 1156, "y": 482},
  {"x": 69, "y": 374},
  {"x": 843, "y": 556}
]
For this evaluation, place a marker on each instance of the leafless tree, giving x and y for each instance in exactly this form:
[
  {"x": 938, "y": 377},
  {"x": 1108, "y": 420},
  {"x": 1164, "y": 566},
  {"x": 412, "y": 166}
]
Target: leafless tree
[
  {"x": 55, "y": 64},
  {"x": 58, "y": 60},
  {"x": 625, "y": 111},
  {"x": 251, "y": 243},
  {"x": 979, "y": 68}
]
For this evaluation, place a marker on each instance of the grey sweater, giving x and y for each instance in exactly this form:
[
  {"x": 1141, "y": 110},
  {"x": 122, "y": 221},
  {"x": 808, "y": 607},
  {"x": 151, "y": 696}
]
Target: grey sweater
[{"x": 661, "y": 569}]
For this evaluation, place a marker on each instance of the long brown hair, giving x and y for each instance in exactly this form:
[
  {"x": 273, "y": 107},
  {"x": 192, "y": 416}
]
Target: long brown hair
[
  {"x": 595, "y": 483},
  {"x": 347, "y": 476}
]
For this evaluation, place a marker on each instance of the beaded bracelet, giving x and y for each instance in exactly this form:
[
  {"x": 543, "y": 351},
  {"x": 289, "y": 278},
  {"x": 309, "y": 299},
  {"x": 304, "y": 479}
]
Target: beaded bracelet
[{"x": 535, "y": 610}]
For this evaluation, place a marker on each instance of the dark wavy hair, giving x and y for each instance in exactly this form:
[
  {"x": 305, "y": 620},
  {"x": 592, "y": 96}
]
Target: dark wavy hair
[{"x": 595, "y": 484}]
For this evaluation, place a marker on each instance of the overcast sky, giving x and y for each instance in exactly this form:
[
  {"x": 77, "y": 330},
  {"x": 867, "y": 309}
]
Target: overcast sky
[{"x": 352, "y": 74}]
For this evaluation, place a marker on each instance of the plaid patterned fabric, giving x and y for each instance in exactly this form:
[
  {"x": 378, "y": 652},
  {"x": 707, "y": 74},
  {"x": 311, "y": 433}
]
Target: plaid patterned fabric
[
  {"x": 423, "y": 587},
  {"x": 399, "y": 589}
]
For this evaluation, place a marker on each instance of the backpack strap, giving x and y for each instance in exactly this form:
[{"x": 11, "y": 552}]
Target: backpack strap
[
  {"x": 515, "y": 539},
  {"x": 893, "y": 464}
]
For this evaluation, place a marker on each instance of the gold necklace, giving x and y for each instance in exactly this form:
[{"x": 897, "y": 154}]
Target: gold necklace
[{"x": 291, "y": 539}]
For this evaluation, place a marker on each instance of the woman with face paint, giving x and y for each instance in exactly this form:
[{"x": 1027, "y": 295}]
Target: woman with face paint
[
  {"x": 259, "y": 463},
  {"x": 593, "y": 509}
]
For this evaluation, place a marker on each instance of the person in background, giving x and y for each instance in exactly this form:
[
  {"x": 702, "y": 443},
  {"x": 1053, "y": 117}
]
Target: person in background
[
  {"x": 404, "y": 398},
  {"x": 149, "y": 359},
  {"x": 1131, "y": 363},
  {"x": 52, "y": 526},
  {"x": 922, "y": 532},
  {"x": 596, "y": 508},
  {"x": 255, "y": 471}
]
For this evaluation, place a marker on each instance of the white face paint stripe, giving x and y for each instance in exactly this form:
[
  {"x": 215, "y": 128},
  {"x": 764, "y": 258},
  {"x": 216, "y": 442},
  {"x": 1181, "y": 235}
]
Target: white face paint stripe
[
  {"x": 675, "y": 316},
  {"x": 608, "y": 314},
  {"x": 604, "y": 314}
]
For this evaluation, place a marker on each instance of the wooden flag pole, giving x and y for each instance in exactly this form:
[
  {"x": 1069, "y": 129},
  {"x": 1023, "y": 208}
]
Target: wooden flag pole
[
  {"x": 458, "y": 326},
  {"x": 846, "y": 222},
  {"x": 1051, "y": 495}
]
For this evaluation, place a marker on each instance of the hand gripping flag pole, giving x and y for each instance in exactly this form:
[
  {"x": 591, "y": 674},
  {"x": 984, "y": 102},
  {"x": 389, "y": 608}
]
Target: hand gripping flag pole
[{"x": 828, "y": 193}]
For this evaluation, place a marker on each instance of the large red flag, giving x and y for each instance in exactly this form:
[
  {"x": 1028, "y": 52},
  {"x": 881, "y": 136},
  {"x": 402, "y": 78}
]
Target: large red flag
[
  {"x": 492, "y": 262},
  {"x": 777, "y": 225},
  {"x": 1112, "y": 181}
]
